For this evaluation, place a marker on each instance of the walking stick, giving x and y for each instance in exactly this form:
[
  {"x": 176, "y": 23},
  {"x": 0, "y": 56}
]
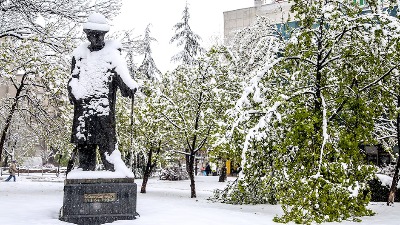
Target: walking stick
[{"x": 132, "y": 158}]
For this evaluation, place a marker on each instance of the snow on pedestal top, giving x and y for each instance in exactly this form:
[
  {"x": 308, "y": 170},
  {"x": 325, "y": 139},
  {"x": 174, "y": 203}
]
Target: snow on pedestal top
[{"x": 121, "y": 171}]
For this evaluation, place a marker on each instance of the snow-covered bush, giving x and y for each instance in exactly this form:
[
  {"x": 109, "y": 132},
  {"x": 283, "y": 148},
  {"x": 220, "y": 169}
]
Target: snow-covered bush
[{"x": 173, "y": 173}]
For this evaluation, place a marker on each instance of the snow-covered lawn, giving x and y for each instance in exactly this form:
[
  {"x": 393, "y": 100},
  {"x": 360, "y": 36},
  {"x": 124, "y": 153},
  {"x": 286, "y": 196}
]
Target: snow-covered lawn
[{"x": 37, "y": 200}]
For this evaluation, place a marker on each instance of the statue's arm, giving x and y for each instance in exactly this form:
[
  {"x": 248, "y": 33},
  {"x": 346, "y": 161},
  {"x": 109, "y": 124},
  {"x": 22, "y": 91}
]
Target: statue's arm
[{"x": 126, "y": 84}]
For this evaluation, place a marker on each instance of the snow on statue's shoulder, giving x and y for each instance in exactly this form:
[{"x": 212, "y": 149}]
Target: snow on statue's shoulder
[
  {"x": 109, "y": 57},
  {"x": 112, "y": 47},
  {"x": 81, "y": 50},
  {"x": 113, "y": 44},
  {"x": 120, "y": 64}
]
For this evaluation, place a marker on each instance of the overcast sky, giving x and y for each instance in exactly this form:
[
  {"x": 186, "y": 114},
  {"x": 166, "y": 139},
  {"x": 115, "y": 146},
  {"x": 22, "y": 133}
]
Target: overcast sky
[{"x": 206, "y": 20}]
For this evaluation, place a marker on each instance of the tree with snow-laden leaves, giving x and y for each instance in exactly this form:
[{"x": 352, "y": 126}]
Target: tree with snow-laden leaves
[
  {"x": 136, "y": 139},
  {"x": 51, "y": 23},
  {"x": 148, "y": 66},
  {"x": 151, "y": 130},
  {"x": 45, "y": 31},
  {"x": 186, "y": 37},
  {"x": 311, "y": 108},
  {"x": 250, "y": 50},
  {"x": 189, "y": 102},
  {"x": 32, "y": 76}
]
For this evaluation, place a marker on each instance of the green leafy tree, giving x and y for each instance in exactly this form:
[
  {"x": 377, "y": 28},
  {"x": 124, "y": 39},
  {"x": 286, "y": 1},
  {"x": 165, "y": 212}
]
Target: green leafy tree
[
  {"x": 30, "y": 75},
  {"x": 151, "y": 130},
  {"x": 312, "y": 107},
  {"x": 190, "y": 105},
  {"x": 249, "y": 51}
]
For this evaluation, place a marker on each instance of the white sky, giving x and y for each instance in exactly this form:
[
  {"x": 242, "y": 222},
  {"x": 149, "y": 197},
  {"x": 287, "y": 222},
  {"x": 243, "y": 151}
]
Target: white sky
[{"x": 206, "y": 20}]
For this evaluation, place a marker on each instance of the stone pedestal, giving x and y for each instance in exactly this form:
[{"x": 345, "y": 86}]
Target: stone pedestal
[{"x": 98, "y": 201}]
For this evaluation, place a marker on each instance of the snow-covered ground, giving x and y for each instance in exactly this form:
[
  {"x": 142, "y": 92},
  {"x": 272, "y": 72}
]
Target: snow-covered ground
[{"x": 37, "y": 200}]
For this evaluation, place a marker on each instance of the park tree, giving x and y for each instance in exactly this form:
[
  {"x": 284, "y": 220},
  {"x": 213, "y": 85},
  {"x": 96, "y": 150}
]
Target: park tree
[
  {"x": 385, "y": 48},
  {"x": 312, "y": 106},
  {"x": 189, "y": 100},
  {"x": 36, "y": 36},
  {"x": 244, "y": 56},
  {"x": 250, "y": 50},
  {"x": 135, "y": 116},
  {"x": 27, "y": 73},
  {"x": 141, "y": 128},
  {"x": 184, "y": 36},
  {"x": 21, "y": 141},
  {"x": 145, "y": 130},
  {"x": 151, "y": 130},
  {"x": 148, "y": 66}
]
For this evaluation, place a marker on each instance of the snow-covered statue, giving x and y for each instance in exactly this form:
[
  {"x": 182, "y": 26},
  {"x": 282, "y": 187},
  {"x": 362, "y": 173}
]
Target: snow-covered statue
[{"x": 98, "y": 69}]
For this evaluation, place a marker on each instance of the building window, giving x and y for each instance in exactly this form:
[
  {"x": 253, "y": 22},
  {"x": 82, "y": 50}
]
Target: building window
[{"x": 359, "y": 2}]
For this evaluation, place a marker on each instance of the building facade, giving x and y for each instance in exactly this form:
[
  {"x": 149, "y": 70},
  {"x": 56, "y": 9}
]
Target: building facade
[{"x": 277, "y": 11}]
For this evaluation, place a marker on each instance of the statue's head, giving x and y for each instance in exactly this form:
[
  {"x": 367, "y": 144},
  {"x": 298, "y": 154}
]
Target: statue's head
[{"x": 96, "y": 28}]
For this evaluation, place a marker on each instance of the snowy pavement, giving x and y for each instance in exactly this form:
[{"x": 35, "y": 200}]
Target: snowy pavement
[{"x": 37, "y": 202}]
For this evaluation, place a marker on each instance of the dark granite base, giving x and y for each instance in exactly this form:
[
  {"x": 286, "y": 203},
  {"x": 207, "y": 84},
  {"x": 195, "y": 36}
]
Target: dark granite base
[{"x": 98, "y": 201}]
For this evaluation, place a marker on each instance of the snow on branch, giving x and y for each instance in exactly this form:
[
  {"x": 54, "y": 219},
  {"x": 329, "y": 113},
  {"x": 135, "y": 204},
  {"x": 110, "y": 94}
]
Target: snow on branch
[
  {"x": 170, "y": 121},
  {"x": 253, "y": 88},
  {"x": 175, "y": 106},
  {"x": 324, "y": 135},
  {"x": 263, "y": 124},
  {"x": 380, "y": 78},
  {"x": 181, "y": 152},
  {"x": 301, "y": 59}
]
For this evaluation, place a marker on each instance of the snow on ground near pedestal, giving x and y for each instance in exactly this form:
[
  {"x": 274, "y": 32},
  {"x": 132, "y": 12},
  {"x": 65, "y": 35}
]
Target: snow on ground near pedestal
[{"x": 37, "y": 200}]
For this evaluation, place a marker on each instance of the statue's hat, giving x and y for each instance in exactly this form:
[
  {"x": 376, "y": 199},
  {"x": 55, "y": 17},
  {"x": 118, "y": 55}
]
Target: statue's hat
[{"x": 96, "y": 21}]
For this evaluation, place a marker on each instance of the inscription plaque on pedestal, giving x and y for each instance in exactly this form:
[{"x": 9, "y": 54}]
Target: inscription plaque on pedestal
[{"x": 103, "y": 197}]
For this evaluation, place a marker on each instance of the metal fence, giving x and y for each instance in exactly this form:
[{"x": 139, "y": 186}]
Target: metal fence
[{"x": 27, "y": 171}]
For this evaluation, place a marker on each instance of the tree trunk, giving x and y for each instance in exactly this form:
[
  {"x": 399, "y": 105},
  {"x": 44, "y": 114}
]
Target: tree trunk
[
  {"x": 6, "y": 127},
  {"x": 190, "y": 158},
  {"x": 393, "y": 188},
  {"x": 10, "y": 115},
  {"x": 149, "y": 167},
  {"x": 190, "y": 170},
  {"x": 147, "y": 171},
  {"x": 395, "y": 181},
  {"x": 5, "y": 164}
]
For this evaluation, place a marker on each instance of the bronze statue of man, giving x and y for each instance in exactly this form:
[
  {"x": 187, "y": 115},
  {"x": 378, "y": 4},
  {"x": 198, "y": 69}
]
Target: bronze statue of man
[{"x": 98, "y": 69}]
